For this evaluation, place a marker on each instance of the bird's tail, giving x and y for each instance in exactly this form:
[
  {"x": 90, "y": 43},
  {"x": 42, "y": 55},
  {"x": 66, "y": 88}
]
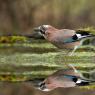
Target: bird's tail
[
  {"x": 84, "y": 82},
  {"x": 84, "y": 33},
  {"x": 86, "y": 37}
]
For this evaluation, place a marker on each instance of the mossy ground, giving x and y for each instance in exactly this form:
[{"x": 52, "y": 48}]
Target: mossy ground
[{"x": 19, "y": 62}]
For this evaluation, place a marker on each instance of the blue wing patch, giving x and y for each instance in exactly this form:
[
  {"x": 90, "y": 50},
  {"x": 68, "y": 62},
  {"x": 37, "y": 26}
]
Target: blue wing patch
[
  {"x": 71, "y": 39},
  {"x": 73, "y": 78}
]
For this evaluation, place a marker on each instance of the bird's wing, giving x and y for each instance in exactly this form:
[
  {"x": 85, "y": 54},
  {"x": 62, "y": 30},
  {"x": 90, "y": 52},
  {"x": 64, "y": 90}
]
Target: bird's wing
[
  {"x": 67, "y": 77},
  {"x": 69, "y": 36},
  {"x": 71, "y": 77},
  {"x": 69, "y": 39},
  {"x": 77, "y": 80},
  {"x": 65, "y": 36}
]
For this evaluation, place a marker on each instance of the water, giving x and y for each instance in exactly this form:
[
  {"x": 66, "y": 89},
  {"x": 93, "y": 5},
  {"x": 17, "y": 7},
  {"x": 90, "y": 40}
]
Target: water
[{"x": 21, "y": 62}]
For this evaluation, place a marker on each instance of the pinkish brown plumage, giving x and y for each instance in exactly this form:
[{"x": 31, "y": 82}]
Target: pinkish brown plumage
[
  {"x": 64, "y": 78},
  {"x": 63, "y": 38}
]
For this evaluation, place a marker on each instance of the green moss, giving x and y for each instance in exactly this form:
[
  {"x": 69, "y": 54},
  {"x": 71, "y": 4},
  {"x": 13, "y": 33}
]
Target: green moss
[{"x": 12, "y": 39}]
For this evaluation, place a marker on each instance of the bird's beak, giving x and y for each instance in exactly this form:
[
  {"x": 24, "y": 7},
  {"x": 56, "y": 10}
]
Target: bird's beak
[
  {"x": 43, "y": 87},
  {"x": 41, "y": 30},
  {"x": 37, "y": 29}
]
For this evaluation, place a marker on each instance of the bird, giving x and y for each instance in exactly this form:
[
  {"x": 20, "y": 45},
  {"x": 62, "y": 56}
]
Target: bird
[
  {"x": 64, "y": 78},
  {"x": 64, "y": 38}
]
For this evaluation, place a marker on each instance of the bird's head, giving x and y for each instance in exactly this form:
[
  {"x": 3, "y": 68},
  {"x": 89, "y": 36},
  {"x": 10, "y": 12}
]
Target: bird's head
[
  {"x": 61, "y": 78},
  {"x": 45, "y": 30},
  {"x": 42, "y": 29},
  {"x": 48, "y": 84}
]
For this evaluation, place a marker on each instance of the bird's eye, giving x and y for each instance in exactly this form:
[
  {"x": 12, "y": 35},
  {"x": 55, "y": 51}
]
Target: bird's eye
[
  {"x": 43, "y": 83},
  {"x": 47, "y": 33},
  {"x": 47, "y": 82}
]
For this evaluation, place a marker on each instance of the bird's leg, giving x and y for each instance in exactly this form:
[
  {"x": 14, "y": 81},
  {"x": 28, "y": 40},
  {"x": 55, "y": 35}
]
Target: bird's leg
[
  {"x": 75, "y": 48},
  {"x": 72, "y": 67}
]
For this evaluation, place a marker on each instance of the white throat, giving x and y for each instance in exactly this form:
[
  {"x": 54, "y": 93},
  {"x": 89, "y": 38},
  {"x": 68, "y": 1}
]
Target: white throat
[{"x": 46, "y": 26}]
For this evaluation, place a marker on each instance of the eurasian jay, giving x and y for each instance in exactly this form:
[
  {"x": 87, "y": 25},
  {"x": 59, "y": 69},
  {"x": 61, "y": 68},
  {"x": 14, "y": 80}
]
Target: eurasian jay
[
  {"x": 64, "y": 78},
  {"x": 64, "y": 38}
]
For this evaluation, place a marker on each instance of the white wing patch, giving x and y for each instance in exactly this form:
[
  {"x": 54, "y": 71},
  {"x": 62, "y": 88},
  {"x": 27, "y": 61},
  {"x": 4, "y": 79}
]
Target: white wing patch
[
  {"x": 80, "y": 36},
  {"x": 79, "y": 81}
]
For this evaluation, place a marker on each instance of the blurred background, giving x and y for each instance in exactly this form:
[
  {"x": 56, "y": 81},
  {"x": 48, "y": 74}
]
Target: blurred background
[{"x": 20, "y": 16}]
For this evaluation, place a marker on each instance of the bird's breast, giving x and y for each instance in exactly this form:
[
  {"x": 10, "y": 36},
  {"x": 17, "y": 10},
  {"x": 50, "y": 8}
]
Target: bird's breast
[{"x": 66, "y": 45}]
